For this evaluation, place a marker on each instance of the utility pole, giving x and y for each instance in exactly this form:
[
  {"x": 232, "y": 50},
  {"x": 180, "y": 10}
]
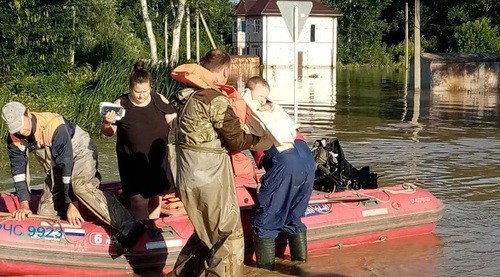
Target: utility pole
[
  {"x": 197, "y": 36},
  {"x": 166, "y": 38},
  {"x": 406, "y": 38},
  {"x": 350, "y": 22},
  {"x": 208, "y": 31},
  {"x": 416, "y": 57},
  {"x": 72, "y": 46},
  {"x": 188, "y": 34}
]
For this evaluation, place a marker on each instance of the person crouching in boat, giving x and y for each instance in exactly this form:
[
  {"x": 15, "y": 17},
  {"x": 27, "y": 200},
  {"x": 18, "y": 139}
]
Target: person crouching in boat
[
  {"x": 288, "y": 182},
  {"x": 207, "y": 129},
  {"x": 69, "y": 157}
]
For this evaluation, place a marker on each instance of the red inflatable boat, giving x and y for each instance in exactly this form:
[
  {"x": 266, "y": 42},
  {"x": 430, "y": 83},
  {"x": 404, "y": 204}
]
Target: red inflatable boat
[{"x": 52, "y": 247}]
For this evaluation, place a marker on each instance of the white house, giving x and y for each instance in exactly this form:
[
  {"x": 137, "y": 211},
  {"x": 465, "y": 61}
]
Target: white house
[{"x": 260, "y": 30}]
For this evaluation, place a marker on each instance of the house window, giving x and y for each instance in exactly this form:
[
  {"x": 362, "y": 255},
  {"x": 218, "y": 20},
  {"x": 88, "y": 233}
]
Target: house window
[
  {"x": 256, "y": 26},
  {"x": 257, "y": 51},
  {"x": 235, "y": 26},
  {"x": 243, "y": 26},
  {"x": 313, "y": 32},
  {"x": 248, "y": 50}
]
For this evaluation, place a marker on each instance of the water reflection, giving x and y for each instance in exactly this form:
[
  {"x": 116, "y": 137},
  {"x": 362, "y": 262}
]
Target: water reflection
[
  {"x": 316, "y": 85},
  {"x": 416, "y": 114},
  {"x": 316, "y": 95},
  {"x": 469, "y": 105},
  {"x": 447, "y": 142}
]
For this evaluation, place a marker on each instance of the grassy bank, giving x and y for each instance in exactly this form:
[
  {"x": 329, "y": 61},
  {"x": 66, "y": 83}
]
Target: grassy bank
[{"x": 76, "y": 94}]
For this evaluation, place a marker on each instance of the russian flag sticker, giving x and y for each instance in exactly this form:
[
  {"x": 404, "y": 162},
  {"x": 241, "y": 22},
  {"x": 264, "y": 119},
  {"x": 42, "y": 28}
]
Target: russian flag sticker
[{"x": 74, "y": 232}]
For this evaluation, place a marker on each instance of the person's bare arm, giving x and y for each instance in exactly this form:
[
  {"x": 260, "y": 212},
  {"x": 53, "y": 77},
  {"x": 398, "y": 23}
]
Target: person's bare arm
[
  {"x": 170, "y": 118},
  {"x": 108, "y": 128}
]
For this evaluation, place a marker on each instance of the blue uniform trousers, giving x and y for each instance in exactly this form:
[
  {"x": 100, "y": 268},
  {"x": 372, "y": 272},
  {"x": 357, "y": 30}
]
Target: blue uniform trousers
[{"x": 285, "y": 191}]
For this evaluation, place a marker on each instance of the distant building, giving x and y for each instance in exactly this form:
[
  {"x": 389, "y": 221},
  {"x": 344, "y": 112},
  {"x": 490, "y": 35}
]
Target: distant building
[
  {"x": 459, "y": 71},
  {"x": 260, "y": 30}
]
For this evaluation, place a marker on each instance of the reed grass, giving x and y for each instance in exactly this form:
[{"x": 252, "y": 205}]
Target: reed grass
[{"x": 76, "y": 95}]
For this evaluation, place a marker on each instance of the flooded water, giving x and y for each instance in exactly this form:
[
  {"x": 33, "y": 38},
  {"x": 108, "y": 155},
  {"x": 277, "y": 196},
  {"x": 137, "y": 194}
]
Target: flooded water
[{"x": 446, "y": 142}]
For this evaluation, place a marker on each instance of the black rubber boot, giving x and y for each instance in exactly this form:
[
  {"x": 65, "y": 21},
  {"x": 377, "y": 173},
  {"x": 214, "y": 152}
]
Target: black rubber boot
[
  {"x": 126, "y": 238},
  {"x": 298, "y": 246},
  {"x": 265, "y": 252}
]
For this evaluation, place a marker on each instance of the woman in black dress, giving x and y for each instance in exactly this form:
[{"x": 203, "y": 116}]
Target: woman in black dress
[{"x": 141, "y": 145}]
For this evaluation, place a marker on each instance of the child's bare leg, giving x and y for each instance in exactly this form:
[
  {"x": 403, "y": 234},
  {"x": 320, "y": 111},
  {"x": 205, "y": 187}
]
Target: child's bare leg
[{"x": 154, "y": 207}]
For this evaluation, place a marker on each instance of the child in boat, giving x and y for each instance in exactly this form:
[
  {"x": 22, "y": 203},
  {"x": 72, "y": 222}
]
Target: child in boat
[
  {"x": 287, "y": 184},
  {"x": 267, "y": 119}
]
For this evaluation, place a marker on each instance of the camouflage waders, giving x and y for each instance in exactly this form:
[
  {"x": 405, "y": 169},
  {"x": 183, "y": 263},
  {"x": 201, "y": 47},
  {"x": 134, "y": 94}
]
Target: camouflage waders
[{"x": 206, "y": 187}]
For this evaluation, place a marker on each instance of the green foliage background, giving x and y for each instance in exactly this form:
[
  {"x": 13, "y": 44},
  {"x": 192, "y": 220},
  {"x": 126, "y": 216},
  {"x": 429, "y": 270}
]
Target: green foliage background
[
  {"x": 372, "y": 31},
  {"x": 107, "y": 36},
  {"x": 477, "y": 37}
]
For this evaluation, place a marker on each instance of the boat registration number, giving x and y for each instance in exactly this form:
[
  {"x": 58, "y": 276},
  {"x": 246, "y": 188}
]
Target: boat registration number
[
  {"x": 34, "y": 232},
  {"x": 100, "y": 239}
]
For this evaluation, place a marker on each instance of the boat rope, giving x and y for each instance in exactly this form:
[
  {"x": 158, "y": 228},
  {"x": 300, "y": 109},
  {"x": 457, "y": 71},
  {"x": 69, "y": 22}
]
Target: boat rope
[
  {"x": 408, "y": 188},
  {"x": 376, "y": 198},
  {"x": 7, "y": 218},
  {"x": 350, "y": 206}
]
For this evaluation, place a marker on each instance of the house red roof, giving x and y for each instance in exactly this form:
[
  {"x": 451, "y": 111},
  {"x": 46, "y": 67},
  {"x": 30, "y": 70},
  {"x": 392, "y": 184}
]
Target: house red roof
[{"x": 269, "y": 7}]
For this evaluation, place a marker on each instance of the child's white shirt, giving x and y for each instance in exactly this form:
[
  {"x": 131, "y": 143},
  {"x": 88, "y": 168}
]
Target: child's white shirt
[{"x": 274, "y": 126}]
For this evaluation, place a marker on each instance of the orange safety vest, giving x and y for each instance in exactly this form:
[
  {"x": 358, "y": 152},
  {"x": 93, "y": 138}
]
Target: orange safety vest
[{"x": 46, "y": 125}]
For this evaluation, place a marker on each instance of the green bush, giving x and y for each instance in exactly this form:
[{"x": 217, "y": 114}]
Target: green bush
[
  {"x": 36, "y": 37},
  {"x": 477, "y": 37},
  {"x": 55, "y": 92},
  {"x": 76, "y": 95}
]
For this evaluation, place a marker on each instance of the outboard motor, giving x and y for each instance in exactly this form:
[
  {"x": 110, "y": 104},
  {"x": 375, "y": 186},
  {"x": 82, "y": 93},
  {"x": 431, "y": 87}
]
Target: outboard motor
[{"x": 335, "y": 173}]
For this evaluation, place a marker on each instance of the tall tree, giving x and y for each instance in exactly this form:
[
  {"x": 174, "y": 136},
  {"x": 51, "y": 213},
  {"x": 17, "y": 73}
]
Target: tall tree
[
  {"x": 107, "y": 30},
  {"x": 36, "y": 36},
  {"x": 219, "y": 16},
  {"x": 149, "y": 29},
  {"x": 176, "y": 34},
  {"x": 360, "y": 29}
]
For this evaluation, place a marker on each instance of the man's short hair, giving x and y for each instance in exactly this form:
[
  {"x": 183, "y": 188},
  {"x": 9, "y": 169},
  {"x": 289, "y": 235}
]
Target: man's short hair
[
  {"x": 257, "y": 80},
  {"x": 215, "y": 60}
]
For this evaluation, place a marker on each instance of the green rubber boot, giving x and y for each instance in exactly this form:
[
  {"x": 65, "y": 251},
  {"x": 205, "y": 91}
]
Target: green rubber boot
[
  {"x": 265, "y": 252},
  {"x": 298, "y": 246}
]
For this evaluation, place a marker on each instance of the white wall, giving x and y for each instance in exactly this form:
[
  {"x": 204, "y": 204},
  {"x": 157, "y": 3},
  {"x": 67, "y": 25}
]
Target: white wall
[
  {"x": 280, "y": 44},
  {"x": 275, "y": 34}
]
